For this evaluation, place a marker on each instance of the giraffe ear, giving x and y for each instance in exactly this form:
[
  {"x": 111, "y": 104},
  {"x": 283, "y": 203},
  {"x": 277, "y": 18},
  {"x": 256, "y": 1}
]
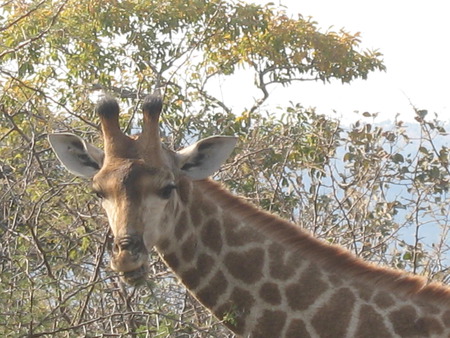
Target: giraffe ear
[
  {"x": 76, "y": 155},
  {"x": 205, "y": 157}
]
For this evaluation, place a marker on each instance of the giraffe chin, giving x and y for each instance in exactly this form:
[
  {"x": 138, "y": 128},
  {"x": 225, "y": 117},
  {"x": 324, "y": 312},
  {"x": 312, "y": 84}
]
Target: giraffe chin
[
  {"x": 132, "y": 266},
  {"x": 135, "y": 277}
]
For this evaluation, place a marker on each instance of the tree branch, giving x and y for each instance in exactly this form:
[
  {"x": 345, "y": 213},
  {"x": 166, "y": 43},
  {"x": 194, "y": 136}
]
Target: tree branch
[
  {"x": 38, "y": 36},
  {"x": 20, "y": 18}
]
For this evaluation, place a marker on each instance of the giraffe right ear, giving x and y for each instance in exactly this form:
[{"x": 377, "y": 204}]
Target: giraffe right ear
[
  {"x": 76, "y": 155},
  {"x": 205, "y": 157}
]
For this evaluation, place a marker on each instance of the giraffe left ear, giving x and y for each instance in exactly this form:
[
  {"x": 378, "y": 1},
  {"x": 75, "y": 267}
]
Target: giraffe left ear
[
  {"x": 204, "y": 158},
  {"x": 79, "y": 157}
]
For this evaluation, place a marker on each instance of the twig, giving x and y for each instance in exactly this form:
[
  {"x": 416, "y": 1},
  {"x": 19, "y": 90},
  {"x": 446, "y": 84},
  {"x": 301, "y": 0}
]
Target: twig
[
  {"x": 36, "y": 37},
  {"x": 95, "y": 275},
  {"x": 20, "y": 18}
]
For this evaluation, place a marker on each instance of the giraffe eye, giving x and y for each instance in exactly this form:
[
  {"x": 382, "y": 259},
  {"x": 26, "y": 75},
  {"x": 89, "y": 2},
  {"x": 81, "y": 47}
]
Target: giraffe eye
[
  {"x": 166, "y": 192},
  {"x": 100, "y": 195}
]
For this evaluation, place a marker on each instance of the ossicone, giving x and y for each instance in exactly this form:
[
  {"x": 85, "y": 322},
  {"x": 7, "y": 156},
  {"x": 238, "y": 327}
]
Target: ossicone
[
  {"x": 152, "y": 106},
  {"x": 115, "y": 141},
  {"x": 108, "y": 107},
  {"x": 149, "y": 140}
]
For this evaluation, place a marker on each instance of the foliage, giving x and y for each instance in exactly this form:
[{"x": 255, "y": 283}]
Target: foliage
[{"x": 372, "y": 189}]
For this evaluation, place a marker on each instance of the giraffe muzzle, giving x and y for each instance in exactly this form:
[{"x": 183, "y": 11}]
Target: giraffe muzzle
[{"x": 129, "y": 258}]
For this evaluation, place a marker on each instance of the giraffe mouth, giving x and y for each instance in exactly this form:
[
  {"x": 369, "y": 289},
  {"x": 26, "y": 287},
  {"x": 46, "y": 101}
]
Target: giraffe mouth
[
  {"x": 130, "y": 260},
  {"x": 135, "y": 277}
]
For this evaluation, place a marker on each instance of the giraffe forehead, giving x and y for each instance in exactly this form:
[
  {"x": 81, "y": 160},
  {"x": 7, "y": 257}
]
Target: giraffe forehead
[{"x": 131, "y": 177}]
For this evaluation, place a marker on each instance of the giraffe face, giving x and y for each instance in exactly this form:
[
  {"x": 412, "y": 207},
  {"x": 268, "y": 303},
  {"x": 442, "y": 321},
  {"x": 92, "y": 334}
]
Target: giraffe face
[
  {"x": 138, "y": 201},
  {"x": 135, "y": 177}
]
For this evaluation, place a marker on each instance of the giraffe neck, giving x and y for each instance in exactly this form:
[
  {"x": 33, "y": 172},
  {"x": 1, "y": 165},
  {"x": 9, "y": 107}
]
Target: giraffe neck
[{"x": 266, "y": 277}]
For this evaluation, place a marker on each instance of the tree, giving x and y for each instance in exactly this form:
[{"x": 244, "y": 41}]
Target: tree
[{"x": 57, "y": 56}]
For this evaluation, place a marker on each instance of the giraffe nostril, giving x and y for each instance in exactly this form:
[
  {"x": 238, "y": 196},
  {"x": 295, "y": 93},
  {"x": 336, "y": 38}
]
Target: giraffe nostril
[
  {"x": 125, "y": 243},
  {"x": 128, "y": 243},
  {"x": 115, "y": 248},
  {"x": 122, "y": 244},
  {"x": 128, "y": 255}
]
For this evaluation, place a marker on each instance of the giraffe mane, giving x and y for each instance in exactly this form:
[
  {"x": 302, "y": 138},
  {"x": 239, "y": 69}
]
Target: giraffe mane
[{"x": 331, "y": 256}]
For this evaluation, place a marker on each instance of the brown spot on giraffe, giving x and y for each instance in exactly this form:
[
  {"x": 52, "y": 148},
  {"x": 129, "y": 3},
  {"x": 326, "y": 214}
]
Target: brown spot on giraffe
[
  {"x": 270, "y": 293},
  {"x": 184, "y": 190},
  {"x": 246, "y": 266},
  {"x": 270, "y": 324},
  {"x": 429, "y": 308},
  {"x": 205, "y": 264},
  {"x": 383, "y": 300},
  {"x": 336, "y": 313},
  {"x": 371, "y": 324},
  {"x": 297, "y": 329},
  {"x": 172, "y": 260},
  {"x": 335, "y": 279},
  {"x": 216, "y": 286},
  {"x": 180, "y": 228},
  {"x": 183, "y": 217},
  {"x": 280, "y": 263},
  {"x": 307, "y": 290},
  {"x": 164, "y": 245},
  {"x": 364, "y": 292},
  {"x": 236, "y": 235},
  {"x": 196, "y": 213},
  {"x": 196, "y": 217},
  {"x": 431, "y": 325},
  {"x": 191, "y": 278},
  {"x": 189, "y": 248},
  {"x": 210, "y": 209},
  {"x": 211, "y": 236}
]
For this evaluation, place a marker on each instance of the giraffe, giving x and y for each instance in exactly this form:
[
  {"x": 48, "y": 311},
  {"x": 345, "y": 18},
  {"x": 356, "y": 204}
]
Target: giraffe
[{"x": 262, "y": 275}]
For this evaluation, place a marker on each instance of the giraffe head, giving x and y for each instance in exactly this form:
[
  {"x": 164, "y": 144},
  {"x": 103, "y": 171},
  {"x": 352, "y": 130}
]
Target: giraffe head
[{"x": 136, "y": 179}]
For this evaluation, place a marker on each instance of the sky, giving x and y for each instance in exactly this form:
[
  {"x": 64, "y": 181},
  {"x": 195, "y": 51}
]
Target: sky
[{"x": 413, "y": 37}]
